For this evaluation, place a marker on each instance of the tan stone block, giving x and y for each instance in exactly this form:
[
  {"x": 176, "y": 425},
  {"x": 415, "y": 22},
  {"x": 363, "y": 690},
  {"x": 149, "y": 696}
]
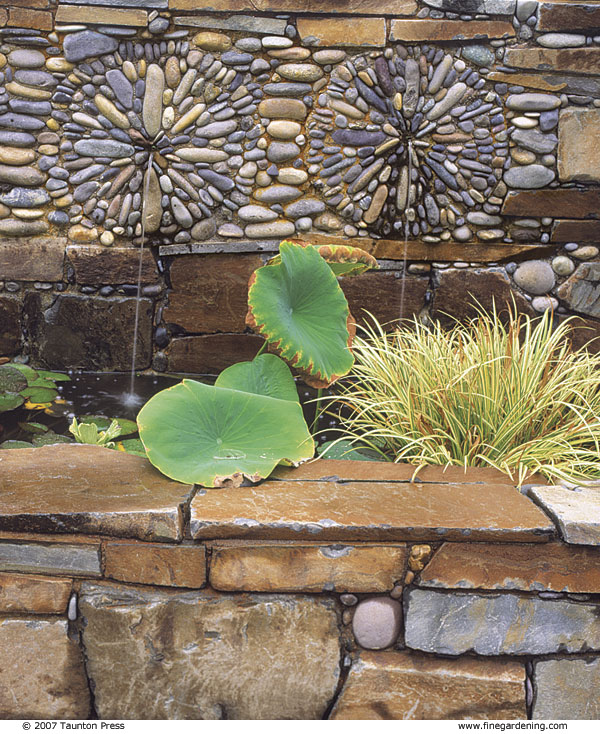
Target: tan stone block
[
  {"x": 210, "y": 292},
  {"x": 156, "y": 565},
  {"x": 42, "y": 674},
  {"x": 554, "y": 567},
  {"x": 448, "y": 30},
  {"x": 96, "y": 265},
  {"x": 211, "y": 353},
  {"x": 37, "y": 258},
  {"x": 101, "y": 16},
  {"x": 343, "y": 31},
  {"x": 307, "y": 568},
  {"x": 547, "y": 83},
  {"x": 341, "y": 470},
  {"x": 572, "y": 203},
  {"x": 561, "y": 16},
  {"x": 567, "y": 689},
  {"x": 576, "y": 60},
  {"x": 576, "y": 512},
  {"x": 406, "y": 685},
  {"x": 575, "y": 230},
  {"x": 89, "y": 489},
  {"x": 25, "y": 18},
  {"x": 577, "y": 159},
  {"x": 373, "y": 511},
  {"x": 200, "y": 655},
  {"x": 20, "y": 594}
]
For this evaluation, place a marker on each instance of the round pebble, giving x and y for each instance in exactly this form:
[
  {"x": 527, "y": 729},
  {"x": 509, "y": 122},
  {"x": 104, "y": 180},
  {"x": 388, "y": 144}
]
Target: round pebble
[
  {"x": 376, "y": 623},
  {"x": 535, "y": 277}
]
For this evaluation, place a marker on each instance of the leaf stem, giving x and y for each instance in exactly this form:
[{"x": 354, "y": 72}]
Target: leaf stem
[
  {"x": 317, "y": 409},
  {"x": 262, "y": 349}
]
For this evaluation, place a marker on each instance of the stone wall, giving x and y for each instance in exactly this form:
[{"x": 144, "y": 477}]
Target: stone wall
[
  {"x": 453, "y": 139},
  {"x": 334, "y": 590}
]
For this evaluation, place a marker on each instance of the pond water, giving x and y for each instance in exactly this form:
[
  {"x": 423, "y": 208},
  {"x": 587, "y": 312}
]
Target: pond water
[{"x": 107, "y": 394}]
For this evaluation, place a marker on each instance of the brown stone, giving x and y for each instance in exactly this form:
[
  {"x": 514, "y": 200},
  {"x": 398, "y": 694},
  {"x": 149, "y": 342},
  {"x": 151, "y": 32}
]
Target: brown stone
[
  {"x": 343, "y": 31},
  {"x": 339, "y": 470},
  {"x": 585, "y": 334},
  {"x": 33, "y": 594},
  {"x": 90, "y": 490},
  {"x": 575, "y": 230},
  {"x": 37, "y": 19},
  {"x": 156, "y": 565},
  {"x": 577, "y": 159},
  {"x": 200, "y": 655},
  {"x": 448, "y": 30},
  {"x": 42, "y": 674},
  {"x": 371, "y": 511},
  {"x": 384, "y": 295},
  {"x": 89, "y": 332},
  {"x": 96, "y": 265},
  {"x": 10, "y": 325},
  {"x": 211, "y": 353},
  {"x": 572, "y": 203},
  {"x": 210, "y": 292},
  {"x": 576, "y": 60},
  {"x": 360, "y": 7},
  {"x": 101, "y": 16},
  {"x": 559, "y": 16},
  {"x": 38, "y": 258},
  {"x": 547, "y": 83},
  {"x": 314, "y": 568},
  {"x": 459, "y": 292},
  {"x": 406, "y": 685},
  {"x": 553, "y": 566}
]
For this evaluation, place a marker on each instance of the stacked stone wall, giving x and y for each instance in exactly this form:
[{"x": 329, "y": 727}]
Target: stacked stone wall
[
  {"x": 454, "y": 140},
  {"x": 334, "y": 590}
]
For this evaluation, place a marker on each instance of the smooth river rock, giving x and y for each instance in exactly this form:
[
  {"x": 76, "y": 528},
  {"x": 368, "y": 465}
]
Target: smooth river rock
[
  {"x": 226, "y": 657},
  {"x": 80, "y": 46},
  {"x": 533, "y": 176}
]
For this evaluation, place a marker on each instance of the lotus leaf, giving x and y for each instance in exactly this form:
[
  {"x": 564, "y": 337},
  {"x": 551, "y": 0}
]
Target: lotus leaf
[
  {"x": 344, "y": 260},
  {"x": 28, "y": 372},
  {"x": 12, "y": 444},
  {"x": 214, "y": 436},
  {"x": 32, "y": 427},
  {"x": 265, "y": 375},
  {"x": 39, "y": 395},
  {"x": 54, "y": 376},
  {"x": 300, "y": 309},
  {"x": 11, "y": 379},
  {"x": 132, "y": 446},
  {"x": 50, "y": 438},
  {"x": 10, "y": 401},
  {"x": 343, "y": 449}
]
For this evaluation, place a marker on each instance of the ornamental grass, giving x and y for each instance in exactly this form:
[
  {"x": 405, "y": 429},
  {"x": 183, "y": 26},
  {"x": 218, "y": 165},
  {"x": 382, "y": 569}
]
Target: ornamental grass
[{"x": 508, "y": 393}]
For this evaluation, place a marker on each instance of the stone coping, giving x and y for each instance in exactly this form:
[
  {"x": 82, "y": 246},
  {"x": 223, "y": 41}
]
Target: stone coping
[{"x": 89, "y": 490}]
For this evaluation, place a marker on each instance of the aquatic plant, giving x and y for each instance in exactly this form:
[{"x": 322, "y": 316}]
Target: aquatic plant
[
  {"x": 250, "y": 420},
  {"x": 508, "y": 393}
]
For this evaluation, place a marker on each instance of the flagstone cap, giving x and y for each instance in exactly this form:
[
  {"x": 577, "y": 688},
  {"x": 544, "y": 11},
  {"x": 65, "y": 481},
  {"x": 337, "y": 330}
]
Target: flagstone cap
[
  {"x": 78, "y": 488},
  {"x": 329, "y": 510}
]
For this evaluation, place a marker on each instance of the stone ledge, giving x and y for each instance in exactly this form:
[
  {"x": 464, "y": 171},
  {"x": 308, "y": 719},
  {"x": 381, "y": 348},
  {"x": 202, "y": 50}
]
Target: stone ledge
[
  {"x": 575, "y": 511},
  {"x": 91, "y": 490}
]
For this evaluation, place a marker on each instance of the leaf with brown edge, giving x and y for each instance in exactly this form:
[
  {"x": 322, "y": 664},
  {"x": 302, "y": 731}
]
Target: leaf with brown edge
[
  {"x": 344, "y": 260},
  {"x": 297, "y": 304}
]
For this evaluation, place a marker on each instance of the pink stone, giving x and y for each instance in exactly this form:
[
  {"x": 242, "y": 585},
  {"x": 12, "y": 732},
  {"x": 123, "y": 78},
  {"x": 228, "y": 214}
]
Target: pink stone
[{"x": 376, "y": 622}]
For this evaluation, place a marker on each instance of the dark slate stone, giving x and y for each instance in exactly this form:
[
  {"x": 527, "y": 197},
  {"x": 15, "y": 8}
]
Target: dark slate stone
[
  {"x": 121, "y": 86},
  {"x": 21, "y": 122},
  {"x": 357, "y": 138},
  {"x": 83, "y": 45}
]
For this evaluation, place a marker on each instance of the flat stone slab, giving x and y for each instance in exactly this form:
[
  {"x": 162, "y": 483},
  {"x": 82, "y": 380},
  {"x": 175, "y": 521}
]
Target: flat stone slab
[
  {"x": 42, "y": 674},
  {"x": 567, "y": 689},
  {"x": 78, "y": 559},
  {"x": 24, "y": 594},
  {"x": 387, "y": 471},
  {"x": 321, "y": 510},
  {"x": 575, "y": 511},
  {"x": 302, "y": 567},
  {"x": 498, "y": 624},
  {"x": 237, "y": 656},
  {"x": 407, "y": 685},
  {"x": 155, "y": 565},
  {"x": 516, "y": 566},
  {"x": 78, "y": 488}
]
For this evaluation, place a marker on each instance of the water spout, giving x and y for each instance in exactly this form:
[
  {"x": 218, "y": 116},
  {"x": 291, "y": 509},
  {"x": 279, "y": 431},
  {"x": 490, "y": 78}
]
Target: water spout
[
  {"x": 406, "y": 231},
  {"x": 132, "y": 398}
]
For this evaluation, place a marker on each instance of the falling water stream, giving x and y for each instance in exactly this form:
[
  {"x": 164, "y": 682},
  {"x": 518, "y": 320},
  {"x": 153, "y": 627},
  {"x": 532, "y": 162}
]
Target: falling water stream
[{"x": 131, "y": 398}]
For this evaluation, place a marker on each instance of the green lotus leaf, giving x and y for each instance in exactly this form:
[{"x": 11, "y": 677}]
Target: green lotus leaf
[
  {"x": 33, "y": 427},
  {"x": 214, "y": 436},
  {"x": 347, "y": 450},
  {"x": 300, "y": 309},
  {"x": 132, "y": 446},
  {"x": 49, "y": 438},
  {"x": 12, "y": 444},
  {"x": 39, "y": 394},
  {"x": 265, "y": 375},
  {"x": 102, "y": 423},
  {"x": 28, "y": 372},
  {"x": 11, "y": 379},
  {"x": 41, "y": 382},
  {"x": 10, "y": 401},
  {"x": 344, "y": 260},
  {"x": 54, "y": 376}
]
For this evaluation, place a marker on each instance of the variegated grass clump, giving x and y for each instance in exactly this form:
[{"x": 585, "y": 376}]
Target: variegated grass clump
[{"x": 511, "y": 395}]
